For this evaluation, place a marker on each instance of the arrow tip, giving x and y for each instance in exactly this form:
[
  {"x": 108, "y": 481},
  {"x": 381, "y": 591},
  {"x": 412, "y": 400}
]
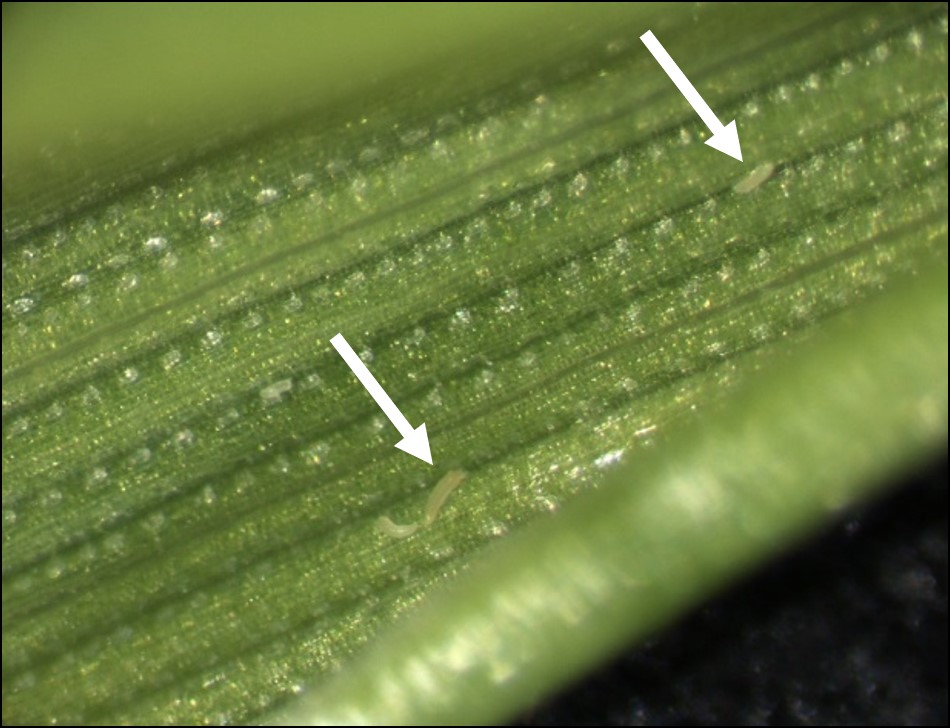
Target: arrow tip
[
  {"x": 726, "y": 140},
  {"x": 416, "y": 444}
]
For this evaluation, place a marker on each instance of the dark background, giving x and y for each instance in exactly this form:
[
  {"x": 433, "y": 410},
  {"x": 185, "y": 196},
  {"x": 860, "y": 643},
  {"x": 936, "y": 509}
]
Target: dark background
[{"x": 849, "y": 629}]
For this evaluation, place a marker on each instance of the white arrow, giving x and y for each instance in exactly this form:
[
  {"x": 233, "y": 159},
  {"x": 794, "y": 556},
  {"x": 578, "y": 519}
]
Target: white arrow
[
  {"x": 414, "y": 441},
  {"x": 724, "y": 138}
]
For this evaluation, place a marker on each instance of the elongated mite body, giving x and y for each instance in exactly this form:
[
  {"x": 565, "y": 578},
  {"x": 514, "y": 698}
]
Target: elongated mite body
[
  {"x": 385, "y": 525},
  {"x": 755, "y": 178},
  {"x": 449, "y": 482}
]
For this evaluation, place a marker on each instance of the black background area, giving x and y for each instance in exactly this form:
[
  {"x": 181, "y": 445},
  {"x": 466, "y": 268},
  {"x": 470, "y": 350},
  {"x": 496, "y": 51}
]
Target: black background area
[{"x": 849, "y": 629}]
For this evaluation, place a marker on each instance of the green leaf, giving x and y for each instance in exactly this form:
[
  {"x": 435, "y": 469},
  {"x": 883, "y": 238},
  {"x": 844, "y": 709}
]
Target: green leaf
[
  {"x": 663, "y": 532},
  {"x": 517, "y": 225}
]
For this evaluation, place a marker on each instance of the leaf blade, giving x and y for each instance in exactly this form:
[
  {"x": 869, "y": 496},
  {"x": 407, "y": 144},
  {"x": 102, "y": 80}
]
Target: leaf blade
[{"x": 605, "y": 294}]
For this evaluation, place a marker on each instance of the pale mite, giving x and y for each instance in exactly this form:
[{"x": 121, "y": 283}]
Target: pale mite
[
  {"x": 755, "y": 178},
  {"x": 449, "y": 482}
]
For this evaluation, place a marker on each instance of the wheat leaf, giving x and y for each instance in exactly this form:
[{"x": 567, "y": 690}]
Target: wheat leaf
[{"x": 536, "y": 255}]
